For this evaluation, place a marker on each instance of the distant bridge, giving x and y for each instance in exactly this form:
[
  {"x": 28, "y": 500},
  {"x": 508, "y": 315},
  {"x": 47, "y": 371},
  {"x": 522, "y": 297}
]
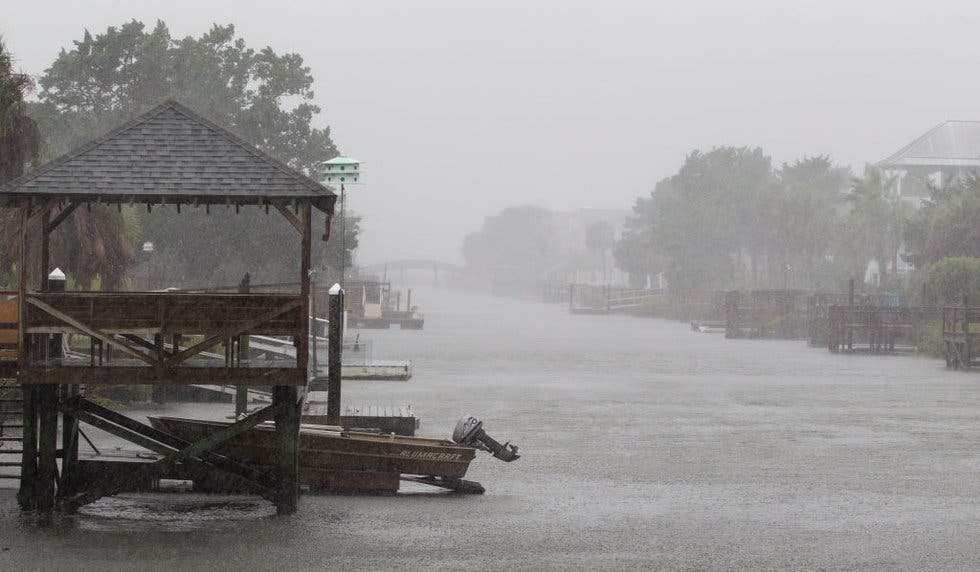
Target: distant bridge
[{"x": 416, "y": 264}]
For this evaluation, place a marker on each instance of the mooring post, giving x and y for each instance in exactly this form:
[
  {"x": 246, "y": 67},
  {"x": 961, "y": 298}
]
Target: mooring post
[
  {"x": 850, "y": 309},
  {"x": 241, "y": 390},
  {"x": 335, "y": 349},
  {"x": 731, "y": 314},
  {"x": 287, "y": 447},
  {"x": 69, "y": 424},
  {"x": 967, "y": 346},
  {"x": 47, "y": 468}
]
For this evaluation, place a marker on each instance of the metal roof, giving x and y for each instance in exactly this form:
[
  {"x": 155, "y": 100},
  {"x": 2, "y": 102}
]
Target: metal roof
[
  {"x": 341, "y": 161},
  {"x": 949, "y": 144},
  {"x": 169, "y": 154}
]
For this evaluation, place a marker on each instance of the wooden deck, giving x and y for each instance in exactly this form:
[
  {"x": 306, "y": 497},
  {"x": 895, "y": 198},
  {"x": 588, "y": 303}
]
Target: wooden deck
[
  {"x": 147, "y": 329},
  {"x": 878, "y": 329},
  {"x": 961, "y": 337}
]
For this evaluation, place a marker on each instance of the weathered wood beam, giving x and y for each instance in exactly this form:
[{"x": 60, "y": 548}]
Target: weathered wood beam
[
  {"x": 303, "y": 349},
  {"x": 47, "y": 468},
  {"x": 166, "y": 444},
  {"x": 287, "y": 447},
  {"x": 122, "y": 432},
  {"x": 128, "y": 349},
  {"x": 292, "y": 218},
  {"x": 222, "y": 435},
  {"x": 22, "y": 286},
  {"x": 186, "y": 375},
  {"x": 45, "y": 251},
  {"x": 65, "y": 213},
  {"x": 230, "y": 333},
  {"x": 43, "y": 209}
]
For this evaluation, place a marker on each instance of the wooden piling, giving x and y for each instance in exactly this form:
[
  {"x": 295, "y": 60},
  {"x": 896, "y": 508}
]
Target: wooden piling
[
  {"x": 287, "y": 447},
  {"x": 335, "y": 350},
  {"x": 47, "y": 468}
]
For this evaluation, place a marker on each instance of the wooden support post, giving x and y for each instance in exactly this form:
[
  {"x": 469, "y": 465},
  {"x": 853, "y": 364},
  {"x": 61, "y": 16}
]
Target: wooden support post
[
  {"x": 45, "y": 251},
  {"x": 22, "y": 287},
  {"x": 69, "y": 443},
  {"x": 47, "y": 468},
  {"x": 303, "y": 348},
  {"x": 335, "y": 350},
  {"x": 241, "y": 390},
  {"x": 287, "y": 447}
]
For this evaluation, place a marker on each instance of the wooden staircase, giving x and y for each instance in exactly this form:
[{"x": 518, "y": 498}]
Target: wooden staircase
[{"x": 11, "y": 431}]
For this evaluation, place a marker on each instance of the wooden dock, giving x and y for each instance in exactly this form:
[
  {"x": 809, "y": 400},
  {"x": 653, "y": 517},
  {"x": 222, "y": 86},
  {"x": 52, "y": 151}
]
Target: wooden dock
[
  {"x": 595, "y": 299},
  {"x": 397, "y": 419},
  {"x": 961, "y": 336},
  {"x": 878, "y": 329}
]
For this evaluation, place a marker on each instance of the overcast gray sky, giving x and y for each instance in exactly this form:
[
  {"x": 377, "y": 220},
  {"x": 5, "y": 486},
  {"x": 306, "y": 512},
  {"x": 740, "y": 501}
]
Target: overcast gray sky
[{"x": 459, "y": 109}]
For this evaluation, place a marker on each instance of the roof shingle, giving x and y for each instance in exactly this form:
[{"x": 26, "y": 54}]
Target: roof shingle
[{"x": 170, "y": 154}]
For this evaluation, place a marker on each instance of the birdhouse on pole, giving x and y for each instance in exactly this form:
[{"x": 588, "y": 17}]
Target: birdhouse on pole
[{"x": 341, "y": 171}]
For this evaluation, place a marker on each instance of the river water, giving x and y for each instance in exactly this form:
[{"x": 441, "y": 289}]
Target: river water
[{"x": 645, "y": 444}]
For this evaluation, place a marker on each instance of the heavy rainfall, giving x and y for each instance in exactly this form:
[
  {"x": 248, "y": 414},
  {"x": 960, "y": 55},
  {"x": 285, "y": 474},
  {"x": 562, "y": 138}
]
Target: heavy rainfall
[{"x": 511, "y": 285}]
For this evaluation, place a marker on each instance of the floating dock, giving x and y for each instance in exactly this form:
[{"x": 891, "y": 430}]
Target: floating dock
[{"x": 397, "y": 419}]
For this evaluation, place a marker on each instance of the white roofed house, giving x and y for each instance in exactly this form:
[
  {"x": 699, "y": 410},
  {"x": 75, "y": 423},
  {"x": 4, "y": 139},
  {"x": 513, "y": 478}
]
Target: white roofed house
[
  {"x": 939, "y": 156},
  {"x": 936, "y": 158}
]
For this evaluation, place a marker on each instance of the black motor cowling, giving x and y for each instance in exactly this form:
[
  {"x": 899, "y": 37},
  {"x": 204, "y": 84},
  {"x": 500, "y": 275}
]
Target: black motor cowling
[{"x": 469, "y": 432}]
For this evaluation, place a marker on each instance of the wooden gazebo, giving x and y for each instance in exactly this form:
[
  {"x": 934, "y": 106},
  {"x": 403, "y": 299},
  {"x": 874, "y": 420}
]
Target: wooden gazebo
[{"x": 169, "y": 155}]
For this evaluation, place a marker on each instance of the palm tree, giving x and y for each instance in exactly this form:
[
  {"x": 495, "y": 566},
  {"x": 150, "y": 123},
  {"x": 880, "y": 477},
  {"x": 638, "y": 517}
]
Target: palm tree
[
  {"x": 20, "y": 140},
  {"x": 878, "y": 217},
  {"x": 92, "y": 242}
]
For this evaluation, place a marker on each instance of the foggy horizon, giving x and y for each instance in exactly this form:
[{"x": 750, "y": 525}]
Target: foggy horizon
[{"x": 460, "y": 110}]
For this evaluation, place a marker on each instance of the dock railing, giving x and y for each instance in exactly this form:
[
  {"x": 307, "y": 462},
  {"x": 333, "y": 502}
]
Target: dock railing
[
  {"x": 961, "y": 336},
  {"x": 149, "y": 329},
  {"x": 604, "y": 299},
  {"x": 878, "y": 329}
]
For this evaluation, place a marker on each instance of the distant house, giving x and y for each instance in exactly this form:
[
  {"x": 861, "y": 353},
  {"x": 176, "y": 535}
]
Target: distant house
[{"x": 942, "y": 154}]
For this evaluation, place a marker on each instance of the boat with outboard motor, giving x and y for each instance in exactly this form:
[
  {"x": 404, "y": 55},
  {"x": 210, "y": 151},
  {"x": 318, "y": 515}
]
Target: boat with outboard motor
[{"x": 350, "y": 459}]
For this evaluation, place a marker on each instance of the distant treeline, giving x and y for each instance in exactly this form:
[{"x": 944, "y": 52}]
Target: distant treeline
[{"x": 729, "y": 219}]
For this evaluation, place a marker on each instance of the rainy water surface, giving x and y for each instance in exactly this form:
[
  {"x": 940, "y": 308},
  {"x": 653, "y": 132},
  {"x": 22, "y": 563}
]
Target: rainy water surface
[{"x": 644, "y": 443}]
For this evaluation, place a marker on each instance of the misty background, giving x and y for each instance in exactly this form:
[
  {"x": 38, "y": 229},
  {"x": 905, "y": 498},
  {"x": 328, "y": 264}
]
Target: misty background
[{"x": 459, "y": 110}]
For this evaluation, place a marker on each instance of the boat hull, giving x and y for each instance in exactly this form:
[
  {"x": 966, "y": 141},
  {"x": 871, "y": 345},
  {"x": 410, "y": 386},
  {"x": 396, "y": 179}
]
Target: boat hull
[{"x": 332, "y": 450}]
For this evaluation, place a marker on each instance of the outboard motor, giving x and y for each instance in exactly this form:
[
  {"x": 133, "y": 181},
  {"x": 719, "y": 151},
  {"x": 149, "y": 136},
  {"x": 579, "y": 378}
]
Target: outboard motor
[{"x": 469, "y": 432}]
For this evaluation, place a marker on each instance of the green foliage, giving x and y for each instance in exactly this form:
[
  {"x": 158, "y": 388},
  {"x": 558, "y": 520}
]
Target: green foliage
[
  {"x": 876, "y": 224},
  {"x": 706, "y": 225},
  {"x": 20, "y": 140},
  {"x": 264, "y": 97},
  {"x": 947, "y": 225},
  {"x": 947, "y": 281}
]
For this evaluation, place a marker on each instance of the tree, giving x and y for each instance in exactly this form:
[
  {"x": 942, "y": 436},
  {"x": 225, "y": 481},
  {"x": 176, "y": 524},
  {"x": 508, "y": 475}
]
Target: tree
[
  {"x": 20, "y": 139},
  {"x": 950, "y": 279},
  {"x": 875, "y": 227},
  {"x": 264, "y": 97},
  {"x": 89, "y": 244},
  {"x": 708, "y": 222},
  {"x": 804, "y": 214},
  {"x": 946, "y": 225}
]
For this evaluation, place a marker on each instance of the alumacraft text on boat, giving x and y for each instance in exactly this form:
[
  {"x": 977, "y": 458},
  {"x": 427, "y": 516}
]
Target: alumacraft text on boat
[{"x": 430, "y": 455}]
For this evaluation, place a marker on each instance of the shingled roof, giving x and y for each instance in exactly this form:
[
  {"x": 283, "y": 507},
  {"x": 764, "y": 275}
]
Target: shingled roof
[
  {"x": 949, "y": 144},
  {"x": 170, "y": 154}
]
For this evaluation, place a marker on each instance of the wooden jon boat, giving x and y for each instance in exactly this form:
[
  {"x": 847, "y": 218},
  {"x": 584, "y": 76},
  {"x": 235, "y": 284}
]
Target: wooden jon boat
[{"x": 333, "y": 458}]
